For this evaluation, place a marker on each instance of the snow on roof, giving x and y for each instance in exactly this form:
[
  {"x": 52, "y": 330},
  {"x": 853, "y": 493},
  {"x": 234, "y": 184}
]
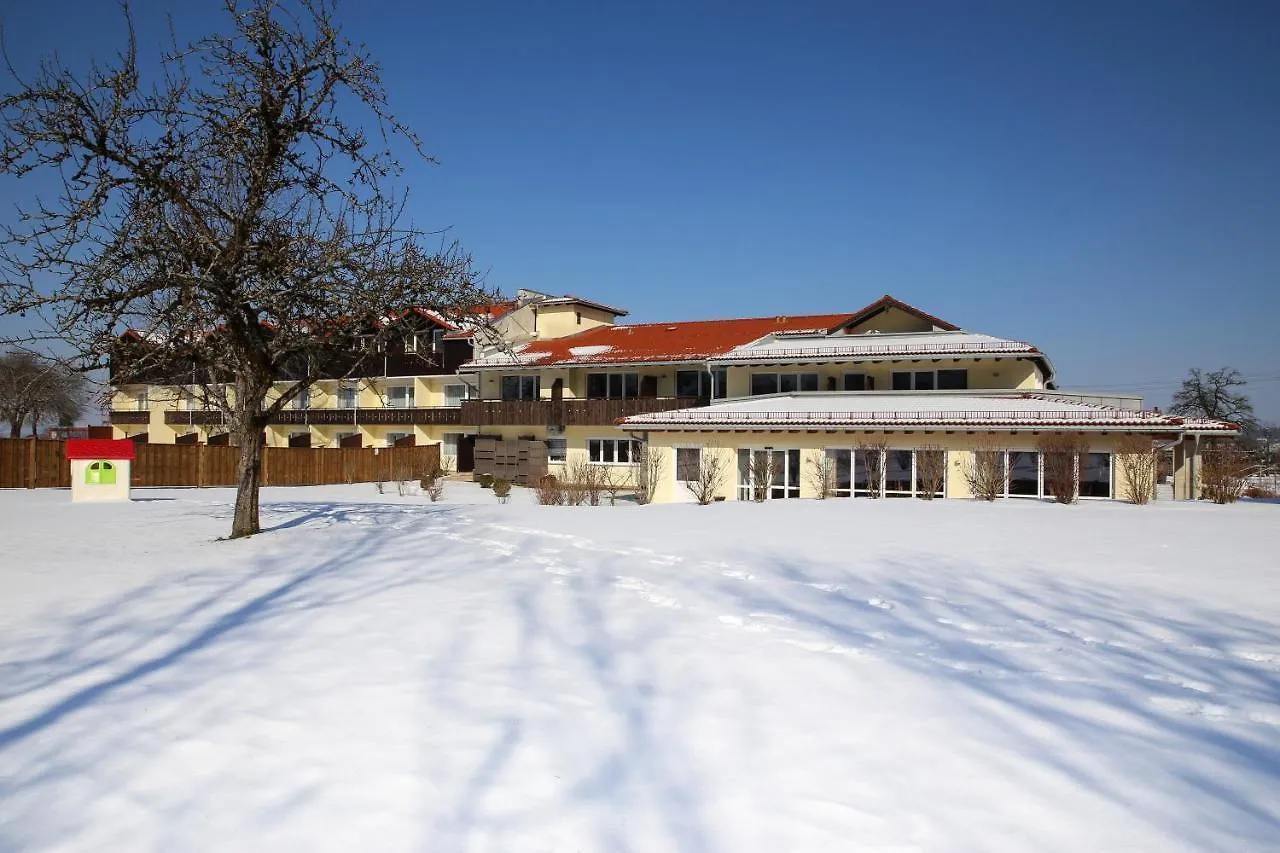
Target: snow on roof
[
  {"x": 791, "y": 347},
  {"x": 937, "y": 408}
]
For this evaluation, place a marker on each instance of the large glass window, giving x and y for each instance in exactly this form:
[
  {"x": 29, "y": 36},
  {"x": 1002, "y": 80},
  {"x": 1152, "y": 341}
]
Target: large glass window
[
  {"x": 953, "y": 380},
  {"x": 924, "y": 380},
  {"x": 897, "y": 473},
  {"x": 856, "y": 382},
  {"x": 520, "y": 387},
  {"x": 764, "y": 383},
  {"x": 1024, "y": 473},
  {"x": 454, "y": 394},
  {"x": 557, "y": 449},
  {"x": 776, "y": 471},
  {"x": 400, "y": 396},
  {"x": 600, "y": 385},
  {"x": 699, "y": 383},
  {"x": 1095, "y": 475},
  {"x": 928, "y": 380},
  {"x": 347, "y": 396},
  {"x": 902, "y": 380},
  {"x": 720, "y": 388},
  {"x": 841, "y": 471}
]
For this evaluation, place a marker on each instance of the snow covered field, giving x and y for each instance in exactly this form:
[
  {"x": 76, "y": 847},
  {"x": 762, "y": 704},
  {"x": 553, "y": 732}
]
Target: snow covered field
[{"x": 381, "y": 673}]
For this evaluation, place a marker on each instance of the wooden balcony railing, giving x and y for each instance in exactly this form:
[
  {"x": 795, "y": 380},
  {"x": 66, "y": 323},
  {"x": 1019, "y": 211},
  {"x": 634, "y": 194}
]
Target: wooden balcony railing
[
  {"x": 330, "y": 417},
  {"x": 484, "y": 413},
  {"x": 129, "y": 416}
]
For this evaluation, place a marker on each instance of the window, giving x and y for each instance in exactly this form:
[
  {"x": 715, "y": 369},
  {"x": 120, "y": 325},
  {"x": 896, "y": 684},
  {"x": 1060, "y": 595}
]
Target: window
[
  {"x": 601, "y": 385},
  {"x": 142, "y": 401},
  {"x": 787, "y": 383},
  {"x": 764, "y": 383},
  {"x": 303, "y": 399},
  {"x": 781, "y": 467},
  {"x": 393, "y": 437},
  {"x": 348, "y": 396},
  {"x": 720, "y": 389},
  {"x": 454, "y": 394},
  {"x": 411, "y": 343},
  {"x": 578, "y": 316},
  {"x": 100, "y": 474},
  {"x": 856, "y": 382},
  {"x": 928, "y": 380},
  {"x": 1023, "y": 471},
  {"x": 898, "y": 477},
  {"x": 1095, "y": 475},
  {"x": 400, "y": 396},
  {"x": 449, "y": 444},
  {"x": 688, "y": 464},
  {"x": 557, "y": 450},
  {"x": 520, "y": 388},
  {"x": 611, "y": 451}
]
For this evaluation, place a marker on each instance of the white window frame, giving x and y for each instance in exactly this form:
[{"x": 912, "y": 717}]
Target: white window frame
[
  {"x": 466, "y": 393},
  {"x": 615, "y": 442},
  {"x": 914, "y": 492},
  {"x": 408, "y": 397},
  {"x": 676, "y": 473},
  {"x": 142, "y": 400},
  {"x": 354, "y": 390},
  {"x": 742, "y": 489}
]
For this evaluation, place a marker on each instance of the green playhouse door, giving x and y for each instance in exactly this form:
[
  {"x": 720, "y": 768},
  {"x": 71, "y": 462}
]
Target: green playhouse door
[{"x": 100, "y": 474}]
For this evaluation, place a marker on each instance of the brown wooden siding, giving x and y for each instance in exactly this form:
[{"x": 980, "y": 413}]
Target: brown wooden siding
[
  {"x": 129, "y": 416},
  {"x": 519, "y": 461},
  {"x": 484, "y": 413}
]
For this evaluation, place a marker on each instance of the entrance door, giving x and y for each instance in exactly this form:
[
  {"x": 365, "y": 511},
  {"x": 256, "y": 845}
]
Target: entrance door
[{"x": 466, "y": 453}]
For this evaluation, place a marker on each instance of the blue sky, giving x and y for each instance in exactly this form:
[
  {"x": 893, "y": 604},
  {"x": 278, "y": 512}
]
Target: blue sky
[{"x": 1099, "y": 178}]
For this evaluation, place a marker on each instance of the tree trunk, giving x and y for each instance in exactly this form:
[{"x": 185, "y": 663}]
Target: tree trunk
[{"x": 248, "y": 435}]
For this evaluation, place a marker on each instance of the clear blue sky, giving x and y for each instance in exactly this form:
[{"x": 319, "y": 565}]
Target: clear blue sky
[{"x": 1099, "y": 178}]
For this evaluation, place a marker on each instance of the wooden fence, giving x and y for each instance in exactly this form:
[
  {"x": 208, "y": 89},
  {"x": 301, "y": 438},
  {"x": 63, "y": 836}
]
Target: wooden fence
[
  {"x": 520, "y": 461},
  {"x": 39, "y": 464}
]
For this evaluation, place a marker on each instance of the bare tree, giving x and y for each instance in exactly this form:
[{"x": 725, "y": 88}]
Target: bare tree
[
  {"x": 232, "y": 213},
  {"x": 706, "y": 475},
  {"x": 821, "y": 472},
  {"x": 1137, "y": 457},
  {"x": 984, "y": 471},
  {"x": 1060, "y": 458},
  {"x": 648, "y": 463},
  {"x": 1209, "y": 395},
  {"x": 931, "y": 471},
  {"x": 33, "y": 388},
  {"x": 873, "y": 459}
]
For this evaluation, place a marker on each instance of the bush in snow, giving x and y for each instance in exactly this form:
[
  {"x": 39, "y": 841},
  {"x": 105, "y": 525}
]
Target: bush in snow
[
  {"x": 984, "y": 471},
  {"x": 1137, "y": 458},
  {"x": 501, "y": 490},
  {"x": 931, "y": 471},
  {"x": 1060, "y": 457},
  {"x": 1224, "y": 468},
  {"x": 548, "y": 491}
]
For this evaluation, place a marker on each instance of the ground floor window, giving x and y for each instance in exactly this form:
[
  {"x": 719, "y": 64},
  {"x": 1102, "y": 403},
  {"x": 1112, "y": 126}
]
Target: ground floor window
[
  {"x": 557, "y": 450},
  {"x": 1025, "y": 475},
  {"x": 1095, "y": 475},
  {"x": 768, "y": 473},
  {"x": 612, "y": 451},
  {"x": 688, "y": 464},
  {"x": 895, "y": 473}
]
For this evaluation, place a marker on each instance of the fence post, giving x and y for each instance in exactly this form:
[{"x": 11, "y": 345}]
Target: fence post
[
  {"x": 199, "y": 466},
  {"x": 31, "y": 463},
  {"x": 262, "y": 475}
]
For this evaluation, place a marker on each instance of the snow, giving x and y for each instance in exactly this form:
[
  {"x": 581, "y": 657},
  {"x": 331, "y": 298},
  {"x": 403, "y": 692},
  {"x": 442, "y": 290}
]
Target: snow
[
  {"x": 584, "y": 352},
  {"x": 782, "y": 346},
  {"x": 378, "y": 672}
]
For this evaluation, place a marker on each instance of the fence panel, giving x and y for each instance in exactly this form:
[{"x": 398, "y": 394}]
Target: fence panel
[{"x": 30, "y": 463}]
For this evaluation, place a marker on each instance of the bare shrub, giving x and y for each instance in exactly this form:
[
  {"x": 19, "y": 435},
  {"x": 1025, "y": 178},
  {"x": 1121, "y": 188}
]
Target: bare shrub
[
  {"x": 931, "y": 471},
  {"x": 707, "y": 481},
  {"x": 984, "y": 470},
  {"x": 820, "y": 469},
  {"x": 762, "y": 467},
  {"x": 1259, "y": 493},
  {"x": 435, "y": 490},
  {"x": 1060, "y": 458},
  {"x": 1137, "y": 457},
  {"x": 1224, "y": 468},
  {"x": 873, "y": 456},
  {"x": 613, "y": 481},
  {"x": 585, "y": 483},
  {"x": 647, "y": 466},
  {"x": 549, "y": 492}
]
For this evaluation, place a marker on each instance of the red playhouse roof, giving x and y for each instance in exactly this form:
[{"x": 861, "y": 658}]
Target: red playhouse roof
[{"x": 99, "y": 448}]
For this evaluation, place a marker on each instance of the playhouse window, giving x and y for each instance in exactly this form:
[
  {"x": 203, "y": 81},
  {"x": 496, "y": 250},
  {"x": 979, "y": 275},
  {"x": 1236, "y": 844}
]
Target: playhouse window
[{"x": 100, "y": 474}]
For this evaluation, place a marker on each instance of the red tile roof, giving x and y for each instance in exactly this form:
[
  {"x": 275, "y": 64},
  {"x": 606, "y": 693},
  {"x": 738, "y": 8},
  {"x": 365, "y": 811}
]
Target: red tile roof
[
  {"x": 99, "y": 448},
  {"x": 693, "y": 340}
]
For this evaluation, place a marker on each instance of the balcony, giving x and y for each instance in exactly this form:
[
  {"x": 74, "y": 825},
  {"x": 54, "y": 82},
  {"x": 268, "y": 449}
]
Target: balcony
[
  {"x": 194, "y": 417},
  {"x": 482, "y": 413},
  {"x": 331, "y": 417},
  {"x": 130, "y": 416}
]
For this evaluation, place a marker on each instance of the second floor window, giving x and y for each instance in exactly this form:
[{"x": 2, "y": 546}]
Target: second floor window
[
  {"x": 303, "y": 399},
  {"x": 613, "y": 385},
  {"x": 773, "y": 383},
  {"x": 400, "y": 397},
  {"x": 520, "y": 388},
  {"x": 929, "y": 380},
  {"x": 143, "y": 401},
  {"x": 699, "y": 383},
  {"x": 455, "y": 394},
  {"x": 347, "y": 395}
]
